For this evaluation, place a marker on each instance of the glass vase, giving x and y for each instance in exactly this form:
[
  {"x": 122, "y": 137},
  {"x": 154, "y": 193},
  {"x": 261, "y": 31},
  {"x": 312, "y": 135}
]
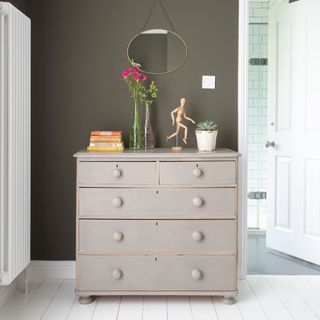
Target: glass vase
[
  {"x": 149, "y": 137},
  {"x": 135, "y": 139}
]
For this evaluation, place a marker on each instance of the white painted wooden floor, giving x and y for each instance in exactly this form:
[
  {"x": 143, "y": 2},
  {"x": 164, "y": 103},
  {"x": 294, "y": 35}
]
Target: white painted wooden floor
[{"x": 260, "y": 297}]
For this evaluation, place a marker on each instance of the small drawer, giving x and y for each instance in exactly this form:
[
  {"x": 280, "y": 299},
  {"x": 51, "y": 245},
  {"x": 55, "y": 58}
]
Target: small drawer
[
  {"x": 116, "y": 173},
  {"x": 162, "y": 203},
  {"x": 182, "y": 236},
  {"x": 216, "y": 173},
  {"x": 156, "y": 273}
]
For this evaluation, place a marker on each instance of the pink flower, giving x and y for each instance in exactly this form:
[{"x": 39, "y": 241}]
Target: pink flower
[
  {"x": 129, "y": 71},
  {"x": 124, "y": 74},
  {"x": 144, "y": 77},
  {"x": 137, "y": 70},
  {"x": 136, "y": 76}
]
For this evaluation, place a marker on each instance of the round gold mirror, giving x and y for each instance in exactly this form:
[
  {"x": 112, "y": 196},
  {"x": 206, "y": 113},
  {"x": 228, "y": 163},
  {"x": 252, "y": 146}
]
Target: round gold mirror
[{"x": 157, "y": 51}]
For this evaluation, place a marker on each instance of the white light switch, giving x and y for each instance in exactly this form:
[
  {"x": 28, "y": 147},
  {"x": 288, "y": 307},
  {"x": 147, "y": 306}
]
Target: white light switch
[{"x": 208, "y": 82}]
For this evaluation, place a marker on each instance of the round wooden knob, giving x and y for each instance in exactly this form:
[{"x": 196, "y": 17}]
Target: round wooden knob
[
  {"x": 117, "y": 173},
  {"x": 197, "y": 172},
  {"x": 117, "y": 274},
  {"x": 117, "y": 236},
  {"x": 197, "y": 201},
  {"x": 196, "y": 274},
  {"x": 197, "y": 235},
  {"x": 117, "y": 202}
]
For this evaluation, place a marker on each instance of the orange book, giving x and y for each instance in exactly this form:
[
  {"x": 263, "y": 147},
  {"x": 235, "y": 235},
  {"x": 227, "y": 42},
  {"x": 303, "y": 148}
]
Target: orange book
[{"x": 106, "y": 133}]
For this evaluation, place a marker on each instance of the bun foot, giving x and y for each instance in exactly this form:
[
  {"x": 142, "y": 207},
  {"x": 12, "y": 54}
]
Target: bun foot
[
  {"x": 228, "y": 300},
  {"x": 85, "y": 299}
]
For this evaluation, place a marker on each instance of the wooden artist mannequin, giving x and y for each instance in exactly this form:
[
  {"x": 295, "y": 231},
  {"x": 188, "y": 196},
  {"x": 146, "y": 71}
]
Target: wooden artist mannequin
[{"x": 181, "y": 113}]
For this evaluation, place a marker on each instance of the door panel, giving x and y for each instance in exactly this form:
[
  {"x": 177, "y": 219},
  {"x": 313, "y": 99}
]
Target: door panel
[
  {"x": 283, "y": 191},
  {"x": 284, "y": 47},
  {"x": 312, "y": 199},
  {"x": 312, "y": 72}
]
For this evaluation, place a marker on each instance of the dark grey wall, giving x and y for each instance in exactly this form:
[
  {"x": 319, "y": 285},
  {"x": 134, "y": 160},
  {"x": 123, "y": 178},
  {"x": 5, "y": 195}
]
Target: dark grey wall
[{"x": 78, "y": 53}]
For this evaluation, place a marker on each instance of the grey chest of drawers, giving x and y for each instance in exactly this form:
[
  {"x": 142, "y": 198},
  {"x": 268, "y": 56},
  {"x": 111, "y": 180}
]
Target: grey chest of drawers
[{"x": 157, "y": 223}]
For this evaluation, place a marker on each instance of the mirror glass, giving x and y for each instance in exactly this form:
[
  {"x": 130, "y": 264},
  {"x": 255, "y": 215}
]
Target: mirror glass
[{"x": 157, "y": 51}]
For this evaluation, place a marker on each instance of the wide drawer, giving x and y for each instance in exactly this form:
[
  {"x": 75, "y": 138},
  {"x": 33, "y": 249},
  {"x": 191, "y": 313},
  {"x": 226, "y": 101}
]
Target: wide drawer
[
  {"x": 156, "y": 273},
  {"x": 208, "y": 173},
  {"x": 182, "y": 236},
  {"x": 169, "y": 203},
  {"x": 117, "y": 173}
]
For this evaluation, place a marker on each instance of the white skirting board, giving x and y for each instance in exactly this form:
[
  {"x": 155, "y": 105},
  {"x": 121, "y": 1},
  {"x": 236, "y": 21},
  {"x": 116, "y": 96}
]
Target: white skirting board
[{"x": 39, "y": 270}]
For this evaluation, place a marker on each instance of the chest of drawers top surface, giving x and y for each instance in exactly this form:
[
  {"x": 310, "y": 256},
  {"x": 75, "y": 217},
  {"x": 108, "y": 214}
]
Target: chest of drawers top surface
[{"x": 157, "y": 154}]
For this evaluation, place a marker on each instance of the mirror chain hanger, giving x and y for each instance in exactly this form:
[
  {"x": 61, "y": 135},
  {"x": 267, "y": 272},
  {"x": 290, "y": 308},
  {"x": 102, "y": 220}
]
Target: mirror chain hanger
[{"x": 164, "y": 11}]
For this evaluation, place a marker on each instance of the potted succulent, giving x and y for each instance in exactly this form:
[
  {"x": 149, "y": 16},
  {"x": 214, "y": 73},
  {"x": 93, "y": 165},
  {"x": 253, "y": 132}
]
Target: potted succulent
[{"x": 206, "y": 133}]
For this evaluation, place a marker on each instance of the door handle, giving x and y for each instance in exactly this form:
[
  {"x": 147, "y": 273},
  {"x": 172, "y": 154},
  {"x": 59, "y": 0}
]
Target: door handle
[{"x": 269, "y": 144}]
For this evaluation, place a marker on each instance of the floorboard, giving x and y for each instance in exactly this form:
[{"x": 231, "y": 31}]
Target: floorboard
[
  {"x": 202, "y": 308},
  {"x": 291, "y": 299},
  {"x": 248, "y": 303},
  {"x": 131, "y": 308},
  {"x": 155, "y": 308},
  {"x": 40, "y": 300},
  {"x": 309, "y": 291},
  {"x": 16, "y": 303},
  {"x": 179, "y": 308},
  {"x": 268, "y": 299},
  {"x": 107, "y": 308},
  {"x": 62, "y": 302}
]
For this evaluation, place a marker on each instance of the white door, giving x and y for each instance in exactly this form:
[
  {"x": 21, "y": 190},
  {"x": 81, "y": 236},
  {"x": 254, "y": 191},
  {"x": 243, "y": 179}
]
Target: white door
[{"x": 294, "y": 127}]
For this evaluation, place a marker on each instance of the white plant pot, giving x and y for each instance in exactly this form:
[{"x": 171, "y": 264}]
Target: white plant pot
[{"x": 206, "y": 140}]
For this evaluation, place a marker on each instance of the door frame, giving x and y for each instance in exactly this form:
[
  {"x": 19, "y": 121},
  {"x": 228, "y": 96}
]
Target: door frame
[{"x": 243, "y": 66}]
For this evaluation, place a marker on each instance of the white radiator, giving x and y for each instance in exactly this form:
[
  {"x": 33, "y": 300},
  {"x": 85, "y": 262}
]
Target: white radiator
[{"x": 15, "y": 34}]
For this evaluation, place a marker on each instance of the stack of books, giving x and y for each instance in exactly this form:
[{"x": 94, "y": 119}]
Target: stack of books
[{"x": 105, "y": 141}]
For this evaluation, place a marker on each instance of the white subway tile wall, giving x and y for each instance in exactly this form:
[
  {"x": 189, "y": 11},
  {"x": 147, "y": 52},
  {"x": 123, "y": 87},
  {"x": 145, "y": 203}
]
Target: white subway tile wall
[{"x": 257, "y": 131}]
